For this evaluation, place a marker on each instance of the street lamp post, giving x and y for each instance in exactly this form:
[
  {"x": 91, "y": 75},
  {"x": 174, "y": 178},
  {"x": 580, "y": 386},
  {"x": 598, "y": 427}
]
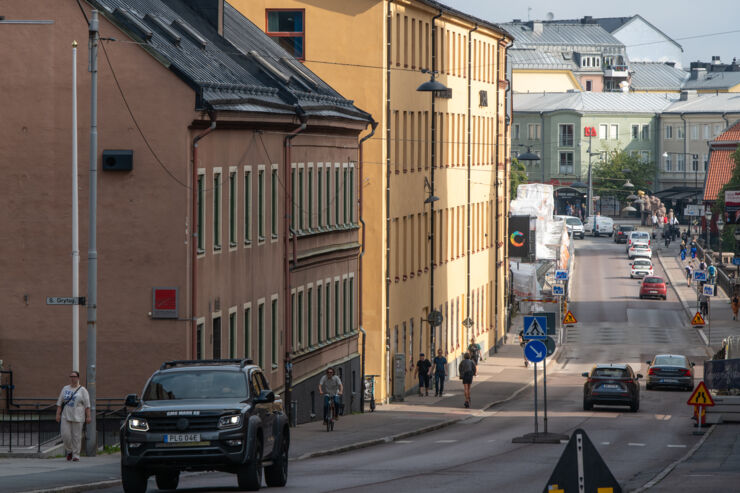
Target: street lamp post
[
  {"x": 708, "y": 217},
  {"x": 720, "y": 227},
  {"x": 432, "y": 86}
]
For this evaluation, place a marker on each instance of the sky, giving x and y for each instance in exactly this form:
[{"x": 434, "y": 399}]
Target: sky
[{"x": 677, "y": 18}]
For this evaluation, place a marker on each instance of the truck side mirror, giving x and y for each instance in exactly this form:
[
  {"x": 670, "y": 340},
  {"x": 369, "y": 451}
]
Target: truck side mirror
[{"x": 132, "y": 400}]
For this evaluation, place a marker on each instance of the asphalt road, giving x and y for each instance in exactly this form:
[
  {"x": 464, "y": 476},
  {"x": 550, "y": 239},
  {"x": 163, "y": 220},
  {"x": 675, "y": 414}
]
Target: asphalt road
[{"x": 478, "y": 454}]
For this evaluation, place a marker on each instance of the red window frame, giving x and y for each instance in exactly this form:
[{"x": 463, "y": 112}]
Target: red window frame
[{"x": 287, "y": 34}]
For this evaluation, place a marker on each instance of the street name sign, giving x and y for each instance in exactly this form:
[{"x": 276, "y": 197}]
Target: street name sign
[
  {"x": 698, "y": 319},
  {"x": 558, "y": 290},
  {"x": 535, "y": 327},
  {"x": 700, "y": 275},
  {"x": 65, "y": 300},
  {"x": 535, "y": 351},
  {"x": 561, "y": 275}
]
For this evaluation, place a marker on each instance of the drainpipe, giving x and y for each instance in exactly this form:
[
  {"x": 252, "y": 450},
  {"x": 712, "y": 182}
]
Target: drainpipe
[
  {"x": 657, "y": 152},
  {"x": 685, "y": 144},
  {"x": 470, "y": 159},
  {"x": 287, "y": 233},
  {"x": 507, "y": 192},
  {"x": 359, "y": 263},
  {"x": 542, "y": 149},
  {"x": 194, "y": 245}
]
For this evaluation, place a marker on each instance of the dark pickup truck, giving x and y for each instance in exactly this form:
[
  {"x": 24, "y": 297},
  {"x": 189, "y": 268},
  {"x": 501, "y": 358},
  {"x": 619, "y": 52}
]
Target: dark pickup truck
[{"x": 201, "y": 415}]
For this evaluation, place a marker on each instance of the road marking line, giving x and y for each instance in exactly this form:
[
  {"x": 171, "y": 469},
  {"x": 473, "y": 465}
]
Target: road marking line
[
  {"x": 445, "y": 441},
  {"x": 631, "y": 444},
  {"x": 606, "y": 443},
  {"x": 676, "y": 446},
  {"x": 404, "y": 441}
]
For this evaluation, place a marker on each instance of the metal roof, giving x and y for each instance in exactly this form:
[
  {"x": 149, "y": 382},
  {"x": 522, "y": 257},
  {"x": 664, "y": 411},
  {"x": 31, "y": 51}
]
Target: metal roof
[
  {"x": 613, "y": 24},
  {"x": 470, "y": 18},
  {"x": 222, "y": 75},
  {"x": 724, "y": 102},
  {"x": 557, "y": 34},
  {"x": 714, "y": 80},
  {"x": 656, "y": 76},
  {"x": 593, "y": 102},
  {"x": 535, "y": 59}
]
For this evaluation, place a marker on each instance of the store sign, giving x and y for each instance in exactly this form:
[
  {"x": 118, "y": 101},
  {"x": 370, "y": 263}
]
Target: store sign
[{"x": 519, "y": 237}]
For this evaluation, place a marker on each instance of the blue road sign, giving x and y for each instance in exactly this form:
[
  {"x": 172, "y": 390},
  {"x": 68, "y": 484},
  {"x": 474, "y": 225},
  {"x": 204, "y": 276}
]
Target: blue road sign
[
  {"x": 708, "y": 290},
  {"x": 700, "y": 275},
  {"x": 535, "y": 327},
  {"x": 561, "y": 275},
  {"x": 735, "y": 260},
  {"x": 558, "y": 290},
  {"x": 535, "y": 351}
]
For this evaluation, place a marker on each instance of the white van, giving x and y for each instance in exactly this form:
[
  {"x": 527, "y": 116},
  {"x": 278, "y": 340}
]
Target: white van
[{"x": 604, "y": 225}]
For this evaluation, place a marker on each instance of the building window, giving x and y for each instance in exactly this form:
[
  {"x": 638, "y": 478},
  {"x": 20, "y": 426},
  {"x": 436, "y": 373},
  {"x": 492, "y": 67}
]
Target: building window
[
  {"x": 681, "y": 162},
  {"x": 261, "y": 334},
  {"x": 645, "y": 156},
  {"x": 274, "y": 332},
  {"x": 589, "y": 85},
  {"x": 274, "y": 203},
  {"x": 286, "y": 27},
  {"x": 717, "y": 129},
  {"x": 299, "y": 319},
  {"x": 566, "y": 135},
  {"x": 345, "y": 312},
  {"x": 668, "y": 132},
  {"x": 603, "y": 131},
  {"x": 668, "y": 164},
  {"x": 319, "y": 197},
  {"x": 217, "y": 338},
  {"x": 261, "y": 205},
  {"x": 336, "y": 195},
  {"x": 695, "y": 163},
  {"x": 635, "y": 131},
  {"x": 351, "y": 192},
  {"x": 516, "y": 131},
  {"x": 566, "y": 163},
  {"x": 293, "y": 205},
  {"x": 345, "y": 198},
  {"x": 614, "y": 131},
  {"x": 310, "y": 198},
  {"x": 706, "y": 129},
  {"x": 319, "y": 314},
  {"x": 533, "y": 131},
  {"x": 645, "y": 132},
  {"x": 327, "y": 312},
  {"x": 351, "y": 304},
  {"x": 293, "y": 321},
  {"x": 327, "y": 209},
  {"x": 199, "y": 341},
  {"x": 201, "y": 213},
  {"x": 309, "y": 315},
  {"x": 232, "y": 335},
  {"x": 232, "y": 209},
  {"x": 217, "y": 210},
  {"x": 680, "y": 134},
  {"x": 705, "y": 160},
  {"x": 300, "y": 200},
  {"x": 336, "y": 308},
  {"x": 247, "y": 332},
  {"x": 248, "y": 206}
]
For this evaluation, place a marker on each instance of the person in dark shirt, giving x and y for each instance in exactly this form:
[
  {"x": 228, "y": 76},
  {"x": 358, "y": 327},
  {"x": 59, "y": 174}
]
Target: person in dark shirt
[
  {"x": 422, "y": 370},
  {"x": 467, "y": 370},
  {"x": 440, "y": 372}
]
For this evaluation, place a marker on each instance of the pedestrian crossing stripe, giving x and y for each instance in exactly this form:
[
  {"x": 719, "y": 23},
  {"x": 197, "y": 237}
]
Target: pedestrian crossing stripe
[
  {"x": 701, "y": 396},
  {"x": 569, "y": 318},
  {"x": 698, "y": 319}
]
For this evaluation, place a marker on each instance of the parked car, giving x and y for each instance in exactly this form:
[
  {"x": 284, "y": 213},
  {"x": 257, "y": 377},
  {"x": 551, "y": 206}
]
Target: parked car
[
  {"x": 638, "y": 237},
  {"x": 670, "y": 370},
  {"x": 621, "y": 231},
  {"x": 641, "y": 267},
  {"x": 612, "y": 385},
  {"x": 574, "y": 225},
  {"x": 653, "y": 287},
  {"x": 639, "y": 250},
  {"x": 205, "y": 415},
  {"x": 604, "y": 225}
]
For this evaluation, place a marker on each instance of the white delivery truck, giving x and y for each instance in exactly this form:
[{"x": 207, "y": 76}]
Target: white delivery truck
[{"x": 604, "y": 226}]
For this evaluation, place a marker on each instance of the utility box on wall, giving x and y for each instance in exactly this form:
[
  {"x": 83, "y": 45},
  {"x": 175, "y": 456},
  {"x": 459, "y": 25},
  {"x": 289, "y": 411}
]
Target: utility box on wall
[
  {"x": 399, "y": 376},
  {"x": 118, "y": 160}
]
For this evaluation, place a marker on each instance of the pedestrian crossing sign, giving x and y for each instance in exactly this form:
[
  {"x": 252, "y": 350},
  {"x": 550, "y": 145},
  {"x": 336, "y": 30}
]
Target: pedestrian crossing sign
[
  {"x": 701, "y": 396},
  {"x": 535, "y": 328},
  {"x": 698, "y": 319},
  {"x": 569, "y": 318}
]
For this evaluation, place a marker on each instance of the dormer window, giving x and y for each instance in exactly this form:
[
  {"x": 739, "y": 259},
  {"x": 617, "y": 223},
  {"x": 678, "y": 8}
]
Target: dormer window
[{"x": 287, "y": 28}]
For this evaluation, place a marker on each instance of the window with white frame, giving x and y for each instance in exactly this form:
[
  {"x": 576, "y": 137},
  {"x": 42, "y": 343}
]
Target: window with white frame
[
  {"x": 247, "y": 330},
  {"x": 603, "y": 131},
  {"x": 232, "y": 332},
  {"x": 565, "y": 133},
  {"x": 717, "y": 129},
  {"x": 274, "y": 202},
  {"x": 668, "y": 132},
  {"x": 668, "y": 163},
  {"x": 694, "y": 132},
  {"x": 705, "y": 160},
  {"x": 232, "y": 207},
  {"x": 695, "y": 163},
  {"x": 635, "y": 131},
  {"x": 533, "y": 131},
  {"x": 274, "y": 341},
  {"x": 614, "y": 131},
  {"x": 309, "y": 203},
  {"x": 345, "y": 196},
  {"x": 706, "y": 128},
  {"x": 201, "y": 211},
  {"x": 645, "y": 156},
  {"x": 319, "y": 195},
  {"x": 680, "y": 134},
  {"x": 247, "y": 205},
  {"x": 217, "y": 209},
  {"x": 645, "y": 135},
  {"x": 294, "y": 205},
  {"x": 261, "y": 332},
  {"x": 351, "y": 192},
  {"x": 337, "y": 193},
  {"x": 327, "y": 183},
  {"x": 566, "y": 163},
  {"x": 680, "y": 162},
  {"x": 261, "y": 203},
  {"x": 320, "y": 314},
  {"x": 515, "y": 133}
]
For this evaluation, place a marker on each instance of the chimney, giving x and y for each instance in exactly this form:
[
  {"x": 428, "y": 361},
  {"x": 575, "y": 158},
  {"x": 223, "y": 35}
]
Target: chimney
[
  {"x": 698, "y": 73},
  {"x": 687, "y": 94},
  {"x": 715, "y": 60},
  {"x": 537, "y": 27},
  {"x": 210, "y": 10},
  {"x": 587, "y": 19}
]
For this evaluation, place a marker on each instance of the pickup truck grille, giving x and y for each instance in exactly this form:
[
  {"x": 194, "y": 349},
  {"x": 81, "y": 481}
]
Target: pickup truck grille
[{"x": 194, "y": 423}]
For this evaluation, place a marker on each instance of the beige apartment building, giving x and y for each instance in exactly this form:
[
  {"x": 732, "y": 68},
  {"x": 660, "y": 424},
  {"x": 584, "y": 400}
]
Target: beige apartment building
[{"x": 376, "y": 52}]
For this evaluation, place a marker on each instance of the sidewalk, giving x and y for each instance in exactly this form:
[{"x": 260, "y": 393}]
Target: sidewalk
[
  {"x": 501, "y": 377},
  {"x": 719, "y": 322}
]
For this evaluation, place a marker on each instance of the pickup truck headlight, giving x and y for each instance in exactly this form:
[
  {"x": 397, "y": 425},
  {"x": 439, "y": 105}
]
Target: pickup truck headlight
[
  {"x": 138, "y": 424},
  {"x": 230, "y": 421}
]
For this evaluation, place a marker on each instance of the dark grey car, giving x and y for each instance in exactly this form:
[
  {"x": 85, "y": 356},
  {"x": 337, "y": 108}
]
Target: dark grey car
[
  {"x": 612, "y": 385},
  {"x": 670, "y": 370}
]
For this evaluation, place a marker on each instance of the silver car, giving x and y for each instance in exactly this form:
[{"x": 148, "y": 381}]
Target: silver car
[{"x": 670, "y": 370}]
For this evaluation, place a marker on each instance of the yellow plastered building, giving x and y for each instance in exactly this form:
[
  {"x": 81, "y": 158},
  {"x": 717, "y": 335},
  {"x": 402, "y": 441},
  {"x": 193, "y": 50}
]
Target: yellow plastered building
[{"x": 377, "y": 53}]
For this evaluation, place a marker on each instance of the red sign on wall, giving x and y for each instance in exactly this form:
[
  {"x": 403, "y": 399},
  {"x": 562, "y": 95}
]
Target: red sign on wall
[
  {"x": 589, "y": 131},
  {"x": 164, "y": 301}
]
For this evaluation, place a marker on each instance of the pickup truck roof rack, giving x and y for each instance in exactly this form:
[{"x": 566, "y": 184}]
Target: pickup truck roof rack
[{"x": 193, "y": 362}]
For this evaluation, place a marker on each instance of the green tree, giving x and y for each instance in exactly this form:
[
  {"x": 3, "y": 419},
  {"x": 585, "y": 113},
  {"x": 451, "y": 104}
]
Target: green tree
[
  {"x": 517, "y": 176},
  {"x": 728, "y": 234},
  {"x": 610, "y": 176}
]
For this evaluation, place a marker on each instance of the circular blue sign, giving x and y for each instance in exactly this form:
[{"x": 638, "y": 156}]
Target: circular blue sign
[{"x": 535, "y": 351}]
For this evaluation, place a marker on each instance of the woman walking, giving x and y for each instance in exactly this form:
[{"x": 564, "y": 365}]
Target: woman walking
[
  {"x": 73, "y": 410},
  {"x": 467, "y": 370},
  {"x": 735, "y": 303}
]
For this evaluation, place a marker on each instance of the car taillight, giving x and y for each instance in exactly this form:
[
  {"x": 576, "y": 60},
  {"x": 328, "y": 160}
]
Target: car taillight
[
  {"x": 652, "y": 371},
  {"x": 685, "y": 372},
  {"x": 629, "y": 381}
]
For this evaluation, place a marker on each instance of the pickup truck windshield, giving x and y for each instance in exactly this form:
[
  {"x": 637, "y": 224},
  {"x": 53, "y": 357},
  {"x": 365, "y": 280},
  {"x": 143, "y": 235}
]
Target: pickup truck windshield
[{"x": 204, "y": 384}]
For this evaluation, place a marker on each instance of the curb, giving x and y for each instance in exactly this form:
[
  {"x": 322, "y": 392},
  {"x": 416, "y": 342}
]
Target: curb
[
  {"x": 79, "y": 487},
  {"x": 665, "y": 472}
]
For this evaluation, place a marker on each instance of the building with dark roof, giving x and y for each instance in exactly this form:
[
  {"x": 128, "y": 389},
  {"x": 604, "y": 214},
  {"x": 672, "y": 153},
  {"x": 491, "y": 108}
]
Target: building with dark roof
[{"x": 227, "y": 197}]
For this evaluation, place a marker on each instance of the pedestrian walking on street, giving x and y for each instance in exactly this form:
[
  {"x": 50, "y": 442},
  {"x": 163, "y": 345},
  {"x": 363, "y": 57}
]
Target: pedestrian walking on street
[
  {"x": 73, "y": 410},
  {"x": 703, "y": 304},
  {"x": 440, "y": 372},
  {"x": 422, "y": 371},
  {"x": 689, "y": 271},
  {"x": 693, "y": 252},
  {"x": 467, "y": 369},
  {"x": 735, "y": 303},
  {"x": 474, "y": 350}
]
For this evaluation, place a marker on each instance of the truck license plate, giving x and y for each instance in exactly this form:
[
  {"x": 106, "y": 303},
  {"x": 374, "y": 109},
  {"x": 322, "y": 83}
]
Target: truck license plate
[{"x": 182, "y": 438}]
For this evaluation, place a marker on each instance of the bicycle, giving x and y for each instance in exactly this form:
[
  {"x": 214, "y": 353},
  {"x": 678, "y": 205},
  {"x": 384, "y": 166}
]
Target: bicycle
[
  {"x": 370, "y": 390},
  {"x": 331, "y": 412}
]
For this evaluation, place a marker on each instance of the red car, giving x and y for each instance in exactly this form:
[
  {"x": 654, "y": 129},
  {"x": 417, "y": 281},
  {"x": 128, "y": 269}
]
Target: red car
[{"x": 653, "y": 287}]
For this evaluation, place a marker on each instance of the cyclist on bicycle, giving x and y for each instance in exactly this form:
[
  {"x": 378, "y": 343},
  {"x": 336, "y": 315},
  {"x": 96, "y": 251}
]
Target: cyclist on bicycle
[{"x": 330, "y": 386}]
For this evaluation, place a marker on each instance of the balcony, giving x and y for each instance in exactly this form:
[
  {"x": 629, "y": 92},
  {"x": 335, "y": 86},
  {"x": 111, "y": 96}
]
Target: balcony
[{"x": 616, "y": 71}]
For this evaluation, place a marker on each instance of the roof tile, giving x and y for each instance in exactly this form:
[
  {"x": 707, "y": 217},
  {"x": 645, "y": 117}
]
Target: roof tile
[{"x": 721, "y": 166}]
